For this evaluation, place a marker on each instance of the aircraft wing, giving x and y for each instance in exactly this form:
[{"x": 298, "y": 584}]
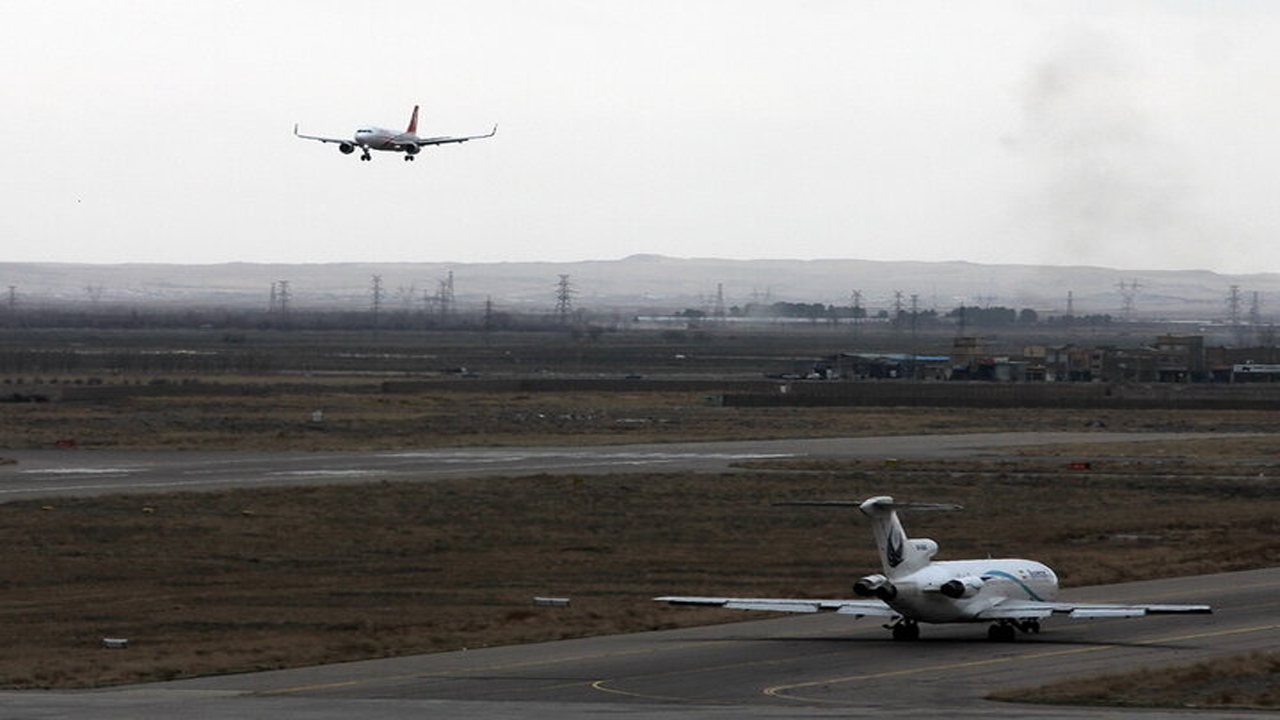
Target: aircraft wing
[
  {"x": 322, "y": 139},
  {"x": 422, "y": 142},
  {"x": 857, "y": 608},
  {"x": 1023, "y": 609}
]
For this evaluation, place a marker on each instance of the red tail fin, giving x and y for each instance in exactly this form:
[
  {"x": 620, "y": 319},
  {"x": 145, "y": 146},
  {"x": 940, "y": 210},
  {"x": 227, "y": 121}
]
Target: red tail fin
[{"x": 413, "y": 121}]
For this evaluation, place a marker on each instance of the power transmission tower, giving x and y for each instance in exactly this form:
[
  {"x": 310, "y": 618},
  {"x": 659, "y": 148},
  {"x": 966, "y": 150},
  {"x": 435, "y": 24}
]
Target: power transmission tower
[
  {"x": 406, "y": 295},
  {"x": 856, "y": 311},
  {"x": 564, "y": 300},
  {"x": 1128, "y": 293},
  {"x": 1233, "y": 314},
  {"x": 279, "y": 303},
  {"x": 718, "y": 311},
  {"x": 375, "y": 292},
  {"x": 444, "y": 296},
  {"x": 1255, "y": 317}
]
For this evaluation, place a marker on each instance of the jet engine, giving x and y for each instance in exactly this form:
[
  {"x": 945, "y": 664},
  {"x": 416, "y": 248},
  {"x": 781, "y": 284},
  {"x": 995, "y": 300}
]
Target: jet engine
[
  {"x": 962, "y": 587},
  {"x": 877, "y": 585},
  {"x": 346, "y": 148},
  {"x": 411, "y": 149}
]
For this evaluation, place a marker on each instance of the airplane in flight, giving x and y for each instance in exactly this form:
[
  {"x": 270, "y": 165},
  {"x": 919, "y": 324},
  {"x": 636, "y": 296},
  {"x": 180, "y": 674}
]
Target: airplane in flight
[
  {"x": 376, "y": 138},
  {"x": 1010, "y": 594}
]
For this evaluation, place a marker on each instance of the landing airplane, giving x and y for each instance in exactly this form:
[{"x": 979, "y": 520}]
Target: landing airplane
[
  {"x": 1011, "y": 594},
  {"x": 376, "y": 138}
]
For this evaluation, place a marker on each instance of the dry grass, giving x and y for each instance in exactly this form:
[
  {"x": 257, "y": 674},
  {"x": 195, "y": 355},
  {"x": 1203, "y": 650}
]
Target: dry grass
[
  {"x": 358, "y": 418},
  {"x": 1245, "y": 682},
  {"x": 244, "y": 580}
]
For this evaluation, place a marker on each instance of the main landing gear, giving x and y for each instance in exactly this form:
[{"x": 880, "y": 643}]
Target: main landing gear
[
  {"x": 408, "y": 158},
  {"x": 366, "y": 156},
  {"x": 1003, "y": 631},
  {"x": 905, "y": 629},
  {"x": 1007, "y": 630}
]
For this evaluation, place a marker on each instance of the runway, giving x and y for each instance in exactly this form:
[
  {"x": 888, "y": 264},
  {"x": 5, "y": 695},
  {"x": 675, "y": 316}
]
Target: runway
[
  {"x": 53, "y": 473},
  {"x": 810, "y": 666}
]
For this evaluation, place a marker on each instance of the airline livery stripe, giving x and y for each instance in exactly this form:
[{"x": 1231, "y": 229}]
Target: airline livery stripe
[{"x": 1025, "y": 588}]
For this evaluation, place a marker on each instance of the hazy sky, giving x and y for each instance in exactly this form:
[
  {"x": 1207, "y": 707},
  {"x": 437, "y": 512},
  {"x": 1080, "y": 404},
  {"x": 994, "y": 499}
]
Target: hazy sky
[{"x": 1127, "y": 134}]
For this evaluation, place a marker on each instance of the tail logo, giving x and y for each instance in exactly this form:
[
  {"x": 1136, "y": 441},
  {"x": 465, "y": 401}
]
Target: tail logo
[{"x": 893, "y": 549}]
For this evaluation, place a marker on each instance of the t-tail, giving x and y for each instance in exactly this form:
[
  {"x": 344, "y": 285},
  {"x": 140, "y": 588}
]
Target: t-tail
[
  {"x": 413, "y": 122},
  {"x": 899, "y": 555}
]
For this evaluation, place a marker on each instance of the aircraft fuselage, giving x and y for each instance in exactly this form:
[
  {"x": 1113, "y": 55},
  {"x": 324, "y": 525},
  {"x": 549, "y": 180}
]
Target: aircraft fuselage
[
  {"x": 377, "y": 138},
  {"x": 959, "y": 590}
]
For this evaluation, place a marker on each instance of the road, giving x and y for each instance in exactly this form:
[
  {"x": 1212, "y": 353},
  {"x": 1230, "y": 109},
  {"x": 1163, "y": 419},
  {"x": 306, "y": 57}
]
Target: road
[{"x": 50, "y": 473}]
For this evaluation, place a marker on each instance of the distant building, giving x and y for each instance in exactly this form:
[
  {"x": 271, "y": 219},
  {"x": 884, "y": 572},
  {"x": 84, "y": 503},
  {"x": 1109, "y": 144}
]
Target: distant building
[{"x": 1180, "y": 358}]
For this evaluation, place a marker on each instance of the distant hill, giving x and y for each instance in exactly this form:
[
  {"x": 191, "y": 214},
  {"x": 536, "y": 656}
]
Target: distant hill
[{"x": 646, "y": 284}]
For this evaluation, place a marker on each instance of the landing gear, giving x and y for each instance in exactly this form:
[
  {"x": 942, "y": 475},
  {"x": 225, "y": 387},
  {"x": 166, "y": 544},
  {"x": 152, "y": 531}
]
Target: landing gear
[
  {"x": 1002, "y": 632},
  {"x": 408, "y": 158},
  {"x": 905, "y": 630},
  {"x": 366, "y": 156}
]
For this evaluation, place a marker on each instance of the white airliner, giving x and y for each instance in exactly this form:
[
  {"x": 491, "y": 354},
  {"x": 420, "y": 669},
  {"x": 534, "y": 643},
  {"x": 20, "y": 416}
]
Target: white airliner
[
  {"x": 376, "y": 138},
  {"x": 1011, "y": 594}
]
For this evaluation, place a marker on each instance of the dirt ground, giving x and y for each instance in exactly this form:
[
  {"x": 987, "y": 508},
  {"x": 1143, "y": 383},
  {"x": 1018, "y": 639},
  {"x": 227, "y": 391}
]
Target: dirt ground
[{"x": 359, "y": 418}]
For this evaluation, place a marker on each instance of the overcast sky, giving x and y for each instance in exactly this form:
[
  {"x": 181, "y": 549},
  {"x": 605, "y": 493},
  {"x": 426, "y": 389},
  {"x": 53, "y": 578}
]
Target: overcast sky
[{"x": 1126, "y": 134}]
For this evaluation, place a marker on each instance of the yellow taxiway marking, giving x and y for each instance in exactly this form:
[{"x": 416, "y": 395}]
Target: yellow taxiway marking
[{"x": 782, "y": 691}]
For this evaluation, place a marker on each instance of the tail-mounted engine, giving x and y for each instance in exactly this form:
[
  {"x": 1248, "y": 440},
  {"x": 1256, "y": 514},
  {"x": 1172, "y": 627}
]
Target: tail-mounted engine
[
  {"x": 875, "y": 586},
  {"x": 962, "y": 587}
]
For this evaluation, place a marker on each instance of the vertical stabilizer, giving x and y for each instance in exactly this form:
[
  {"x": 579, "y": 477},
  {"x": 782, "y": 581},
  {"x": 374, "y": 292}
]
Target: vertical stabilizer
[
  {"x": 899, "y": 554},
  {"x": 413, "y": 122}
]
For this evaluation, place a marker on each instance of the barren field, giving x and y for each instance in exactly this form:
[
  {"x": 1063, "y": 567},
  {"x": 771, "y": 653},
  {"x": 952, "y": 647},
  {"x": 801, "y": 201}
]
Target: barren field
[{"x": 358, "y": 417}]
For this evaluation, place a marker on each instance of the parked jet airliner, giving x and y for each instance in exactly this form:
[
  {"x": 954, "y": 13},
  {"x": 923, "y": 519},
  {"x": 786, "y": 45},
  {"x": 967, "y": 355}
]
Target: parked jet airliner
[
  {"x": 1010, "y": 594},
  {"x": 376, "y": 138}
]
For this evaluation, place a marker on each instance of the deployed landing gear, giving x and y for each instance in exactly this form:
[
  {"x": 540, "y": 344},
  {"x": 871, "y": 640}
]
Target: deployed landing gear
[
  {"x": 1002, "y": 632},
  {"x": 905, "y": 630},
  {"x": 366, "y": 156},
  {"x": 408, "y": 158}
]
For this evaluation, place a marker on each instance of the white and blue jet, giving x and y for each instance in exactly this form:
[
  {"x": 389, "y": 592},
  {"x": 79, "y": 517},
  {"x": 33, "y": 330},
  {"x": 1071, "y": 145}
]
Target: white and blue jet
[
  {"x": 1011, "y": 594},
  {"x": 377, "y": 138}
]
